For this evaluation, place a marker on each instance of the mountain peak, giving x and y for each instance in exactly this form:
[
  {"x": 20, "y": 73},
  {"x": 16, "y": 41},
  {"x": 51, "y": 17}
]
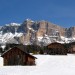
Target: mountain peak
[
  {"x": 36, "y": 32},
  {"x": 13, "y": 24}
]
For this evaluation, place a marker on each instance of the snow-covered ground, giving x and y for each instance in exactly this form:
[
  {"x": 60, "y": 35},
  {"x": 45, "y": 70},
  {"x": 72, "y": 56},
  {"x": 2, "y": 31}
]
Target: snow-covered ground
[
  {"x": 1, "y": 61},
  {"x": 45, "y": 65}
]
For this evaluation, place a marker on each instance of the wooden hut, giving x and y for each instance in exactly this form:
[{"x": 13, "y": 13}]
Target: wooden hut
[
  {"x": 17, "y": 56},
  {"x": 56, "y": 49},
  {"x": 71, "y": 47}
]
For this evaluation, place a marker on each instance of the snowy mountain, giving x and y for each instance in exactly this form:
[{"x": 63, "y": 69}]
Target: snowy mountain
[{"x": 36, "y": 32}]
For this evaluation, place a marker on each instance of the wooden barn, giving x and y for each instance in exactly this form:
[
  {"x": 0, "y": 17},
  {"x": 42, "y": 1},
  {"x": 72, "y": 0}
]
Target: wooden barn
[
  {"x": 17, "y": 56},
  {"x": 56, "y": 49},
  {"x": 71, "y": 47}
]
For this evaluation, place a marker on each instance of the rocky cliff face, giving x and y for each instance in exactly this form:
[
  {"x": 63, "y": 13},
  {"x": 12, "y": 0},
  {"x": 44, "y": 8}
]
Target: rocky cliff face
[
  {"x": 38, "y": 32},
  {"x": 70, "y": 32},
  {"x": 35, "y": 31},
  {"x": 42, "y": 27}
]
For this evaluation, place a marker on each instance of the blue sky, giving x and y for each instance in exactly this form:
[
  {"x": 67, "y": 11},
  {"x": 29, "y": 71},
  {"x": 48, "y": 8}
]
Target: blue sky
[{"x": 61, "y": 12}]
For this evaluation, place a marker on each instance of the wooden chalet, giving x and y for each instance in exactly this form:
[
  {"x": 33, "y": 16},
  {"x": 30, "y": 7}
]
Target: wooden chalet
[
  {"x": 71, "y": 48},
  {"x": 17, "y": 56},
  {"x": 56, "y": 49}
]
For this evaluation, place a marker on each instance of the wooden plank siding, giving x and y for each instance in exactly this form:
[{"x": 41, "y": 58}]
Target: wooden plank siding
[
  {"x": 57, "y": 49},
  {"x": 15, "y": 56}
]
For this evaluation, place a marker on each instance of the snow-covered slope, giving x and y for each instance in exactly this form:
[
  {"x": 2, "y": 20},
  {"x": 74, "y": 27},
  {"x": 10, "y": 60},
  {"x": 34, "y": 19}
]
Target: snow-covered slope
[
  {"x": 1, "y": 61},
  {"x": 45, "y": 65},
  {"x": 9, "y": 36}
]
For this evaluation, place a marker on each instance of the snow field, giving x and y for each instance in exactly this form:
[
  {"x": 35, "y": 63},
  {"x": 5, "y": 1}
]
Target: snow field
[
  {"x": 1, "y": 61},
  {"x": 45, "y": 65}
]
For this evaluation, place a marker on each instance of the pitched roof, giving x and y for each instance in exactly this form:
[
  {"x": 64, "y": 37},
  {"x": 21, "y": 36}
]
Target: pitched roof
[
  {"x": 55, "y": 45},
  {"x": 21, "y": 48}
]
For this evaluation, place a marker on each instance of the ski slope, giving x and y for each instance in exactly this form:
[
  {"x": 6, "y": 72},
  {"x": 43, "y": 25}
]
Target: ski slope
[{"x": 45, "y": 65}]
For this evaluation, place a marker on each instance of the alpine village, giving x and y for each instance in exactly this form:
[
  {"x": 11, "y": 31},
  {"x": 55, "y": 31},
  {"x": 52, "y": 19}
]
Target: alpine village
[{"x": 20, "y": 42}]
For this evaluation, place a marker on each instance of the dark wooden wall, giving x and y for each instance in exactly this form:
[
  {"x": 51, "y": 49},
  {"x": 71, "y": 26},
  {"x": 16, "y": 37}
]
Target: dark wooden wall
[
  {"x": 57, "y": 49},
  {"x": 17, "y": 57}
]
